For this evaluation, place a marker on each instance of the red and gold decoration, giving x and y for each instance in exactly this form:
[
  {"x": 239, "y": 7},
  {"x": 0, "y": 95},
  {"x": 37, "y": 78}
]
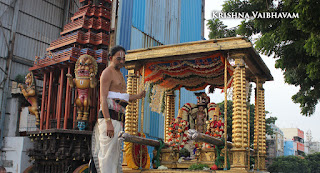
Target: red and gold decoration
[
  {"x": 136, "y": 155},
  {"x": 194, "y": 66},
  {"x": 82, "y": 49},
  {"x": 215, "y": 128},
  {"x": 193, "y": 74}
]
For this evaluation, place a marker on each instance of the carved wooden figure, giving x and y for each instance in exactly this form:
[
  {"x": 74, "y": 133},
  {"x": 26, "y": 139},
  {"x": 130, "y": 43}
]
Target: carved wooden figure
[
  {"x": 85, "y": 70},
  {"x": 29, "y": 92}
]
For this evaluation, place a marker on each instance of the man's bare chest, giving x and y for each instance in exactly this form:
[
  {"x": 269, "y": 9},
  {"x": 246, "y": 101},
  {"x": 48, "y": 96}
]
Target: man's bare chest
[{"x": 118, "y": 84}]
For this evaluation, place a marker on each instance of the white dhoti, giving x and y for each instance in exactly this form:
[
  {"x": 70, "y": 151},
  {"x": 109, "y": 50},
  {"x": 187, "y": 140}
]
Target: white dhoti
[{"x": 108, "y": 150}]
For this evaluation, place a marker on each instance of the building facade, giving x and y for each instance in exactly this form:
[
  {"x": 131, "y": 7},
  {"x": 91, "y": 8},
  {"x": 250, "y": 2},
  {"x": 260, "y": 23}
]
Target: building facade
[
  {"x": 290, "y": 148},
  {"x": 294, "y": 141},
  {"x": 275, "y": 144},
  {"x": 313, "y": 147}
]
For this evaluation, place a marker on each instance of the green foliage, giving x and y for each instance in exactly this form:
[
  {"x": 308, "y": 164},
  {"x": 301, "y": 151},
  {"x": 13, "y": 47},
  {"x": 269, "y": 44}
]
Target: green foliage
[
  {"x": 19, "y": 78},
  {"x": 229, "y": 119},
  {"x": 229, "y": 115},
  {"x": 295, "y": 164},
  {"x": 218, "y": 30},
  {"x": 198, "y": 166},
  {"x": 295, "y": 43},
  {"x": 292, "y": 164},
  {"x": 314, "y": 162},
  {"x": 270, "y": 120}
]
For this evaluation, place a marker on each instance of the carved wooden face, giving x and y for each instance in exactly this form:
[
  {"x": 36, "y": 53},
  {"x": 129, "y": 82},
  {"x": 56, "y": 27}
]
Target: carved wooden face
[
  {"x": 85, "y": 66},
  {"x": 28, "y": 79}
]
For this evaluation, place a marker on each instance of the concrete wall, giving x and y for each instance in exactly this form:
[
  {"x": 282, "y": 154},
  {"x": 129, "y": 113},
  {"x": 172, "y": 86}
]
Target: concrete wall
[
  {"x": 27, "y": 121},
  {"x": 11, "y": 119},
  {"x": 14, "y": 153},
  {"x": 289, "y": 133}
]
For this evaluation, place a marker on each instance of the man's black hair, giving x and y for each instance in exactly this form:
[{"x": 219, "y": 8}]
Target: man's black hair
[{"x": 116, "y": 49}]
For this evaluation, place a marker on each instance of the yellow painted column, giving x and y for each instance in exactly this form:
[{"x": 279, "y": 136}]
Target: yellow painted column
[
  {"x": 260, "y": 128},
  {"x": 239, "y": 117},
  {"x": 170, "y": 111},
  {"x": 132, "y": 118},
  {"x": 131, "y": 122},
  {"x": 262, "y": 140},
  {"x": 257, "y": 125}
]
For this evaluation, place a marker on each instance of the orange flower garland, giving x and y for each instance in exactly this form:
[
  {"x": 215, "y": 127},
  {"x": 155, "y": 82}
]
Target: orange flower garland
[{"x": 178, "y": 130}]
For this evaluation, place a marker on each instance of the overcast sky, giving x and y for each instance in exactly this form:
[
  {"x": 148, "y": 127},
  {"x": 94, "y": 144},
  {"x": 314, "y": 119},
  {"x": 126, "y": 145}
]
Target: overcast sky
[{"x": 277, "y": 93}]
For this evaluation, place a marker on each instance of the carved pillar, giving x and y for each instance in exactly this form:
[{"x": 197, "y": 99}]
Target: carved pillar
[
  {"x": 60, "y": 97},
  {"x": 49, "y": 102},
  {"x": 256, "y": 127},
  {"x": 262, "y": 140},
  {"x": 131, "y": 122},
  {"x": 239, "y": 118},
  {"x": 67, "y": 102},
  {"x": 260, "y": 129},
  {"x": 43, "y": 102},
  {"x": 170, "y": 110}
]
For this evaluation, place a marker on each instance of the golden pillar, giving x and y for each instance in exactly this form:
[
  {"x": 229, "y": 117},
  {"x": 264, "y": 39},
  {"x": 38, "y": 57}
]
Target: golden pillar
[
  {"x": 257, "y": 126},
  {"x": 262, "y": 140},
  {"x": 239, "y": 118},
  {"x": 131, "y": 122},
  {"x": 170, "y": 111},
  {"x": 260, "y": 128}
]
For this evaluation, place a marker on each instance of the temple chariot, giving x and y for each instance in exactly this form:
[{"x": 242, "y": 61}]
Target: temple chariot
[{"x": 196, "y": 135}]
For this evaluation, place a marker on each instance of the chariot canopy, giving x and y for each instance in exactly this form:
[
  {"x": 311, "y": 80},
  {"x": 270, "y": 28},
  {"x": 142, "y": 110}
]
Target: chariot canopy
[
  {"x": 195, "y": 65},
  {"x": 193, "y": 74}
]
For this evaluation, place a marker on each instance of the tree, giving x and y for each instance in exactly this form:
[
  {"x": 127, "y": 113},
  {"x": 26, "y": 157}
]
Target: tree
[
  {"x": 229, "y": 118},
  {"x": 270, "y": 120},
  {"x": 294, "y": 43},
  {"x": 296, "y": 164},
  {"x": 218, "y": 30},
  {"x": 292, "y": 164},
  {"x": 314, "y": 162}
]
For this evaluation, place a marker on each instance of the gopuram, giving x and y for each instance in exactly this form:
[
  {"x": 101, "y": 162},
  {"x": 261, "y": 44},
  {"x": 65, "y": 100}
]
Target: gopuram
[{"x": 69, "y": 102}]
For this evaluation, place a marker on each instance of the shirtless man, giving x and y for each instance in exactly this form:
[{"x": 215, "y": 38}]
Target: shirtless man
[{"x": 113, "y": 98}]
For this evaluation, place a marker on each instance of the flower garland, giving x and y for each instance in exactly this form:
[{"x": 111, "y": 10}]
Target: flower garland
[
  {"x": 157, "y": 96},
  {"x": 178, "y": 130},
  {"x": 193, "y": 74},
  {"x": 215, "y": 128}
]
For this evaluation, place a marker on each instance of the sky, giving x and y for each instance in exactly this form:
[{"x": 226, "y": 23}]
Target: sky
[{"x": 277, "y": 93}]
